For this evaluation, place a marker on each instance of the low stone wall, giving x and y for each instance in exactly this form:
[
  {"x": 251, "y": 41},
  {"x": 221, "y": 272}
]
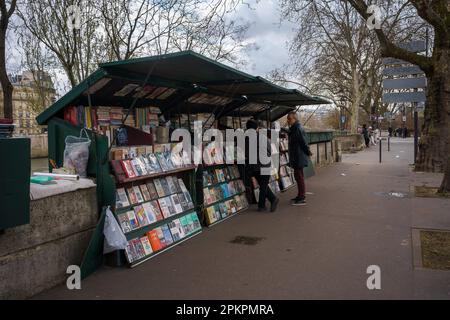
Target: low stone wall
[
  {"x": 351, "y": 142},
  {"x": 35, "y": 257},
  {"x": 39, "y": 146},
  {"x": 323, "y": 153}
]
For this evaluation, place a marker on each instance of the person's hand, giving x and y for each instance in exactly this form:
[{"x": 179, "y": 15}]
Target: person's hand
[{"x": 309, "y": 153}]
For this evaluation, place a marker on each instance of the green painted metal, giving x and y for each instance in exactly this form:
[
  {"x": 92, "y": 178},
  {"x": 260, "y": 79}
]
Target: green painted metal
[
  {"x": 93, "y": 256},
  {"x": 15, "y": 170}
]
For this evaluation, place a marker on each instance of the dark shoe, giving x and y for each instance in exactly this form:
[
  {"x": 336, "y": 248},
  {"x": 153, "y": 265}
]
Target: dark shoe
[
  {"x": 274, "y": 205},
  {"x": 295, "y": 199},
  {"x": 299, "y": 202},
  {"x": 264, "y": 209}
]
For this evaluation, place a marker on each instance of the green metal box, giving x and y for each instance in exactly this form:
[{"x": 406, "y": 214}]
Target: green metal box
[{"x": 15, "y": 167}]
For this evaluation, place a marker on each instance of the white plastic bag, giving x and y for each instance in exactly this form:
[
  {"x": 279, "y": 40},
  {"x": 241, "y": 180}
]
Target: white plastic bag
[
  {"x": 114, "y": 237},
  {"x": 76, "y": 153}
]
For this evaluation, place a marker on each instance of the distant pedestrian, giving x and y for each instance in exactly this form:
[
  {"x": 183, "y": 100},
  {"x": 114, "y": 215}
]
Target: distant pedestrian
[
  {"x": 390, "y": 130},
  {"x": 299, "y": 154},
  {"x": 365, "y": 134},
  {"x": 260, "y": 171}
]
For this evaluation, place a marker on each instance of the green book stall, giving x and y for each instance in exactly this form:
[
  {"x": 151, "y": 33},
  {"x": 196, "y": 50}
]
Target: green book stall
[{"x": 129, "y": 109}]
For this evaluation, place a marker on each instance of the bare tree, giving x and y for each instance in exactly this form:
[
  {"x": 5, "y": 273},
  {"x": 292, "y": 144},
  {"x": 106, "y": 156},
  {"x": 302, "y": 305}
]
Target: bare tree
[
  {"x": 434, "y": 151},
  {"x": 78, "y": 48},
  {"x": 7, "y": 88}
]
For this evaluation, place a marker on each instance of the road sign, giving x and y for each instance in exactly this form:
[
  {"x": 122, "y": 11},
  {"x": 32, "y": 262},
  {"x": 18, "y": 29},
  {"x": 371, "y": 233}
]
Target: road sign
[{"x": 398, "y": 97}]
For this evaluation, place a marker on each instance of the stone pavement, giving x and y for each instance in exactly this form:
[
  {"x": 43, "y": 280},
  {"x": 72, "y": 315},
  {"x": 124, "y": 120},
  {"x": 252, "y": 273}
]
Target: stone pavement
[{"x": 318, "y": 251}]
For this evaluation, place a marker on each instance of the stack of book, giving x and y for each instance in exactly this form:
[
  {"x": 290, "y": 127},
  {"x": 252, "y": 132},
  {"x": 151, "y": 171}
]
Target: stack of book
[
  {"x": 6, "y": 128},
  {"x": 223, "y": 193},
  {"x": 204, "y": 98},
  {"x": 147, "y": 116},
  {"x": 162, "y": 237}
]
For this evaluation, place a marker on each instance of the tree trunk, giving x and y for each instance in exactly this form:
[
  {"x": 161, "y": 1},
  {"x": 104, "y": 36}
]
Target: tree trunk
[
  {"x": 445, "y": 185},
  {"x": 6, "y": 85},
  {"x": 356, "y": 100},
  {"x": 434, "y": 146}
]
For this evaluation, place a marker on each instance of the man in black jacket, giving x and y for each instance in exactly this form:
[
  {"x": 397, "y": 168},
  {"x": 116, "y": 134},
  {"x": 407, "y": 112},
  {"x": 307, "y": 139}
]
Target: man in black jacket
[
  {"x": 259, "y": 170},
  {"x": 299, "y": 154}
]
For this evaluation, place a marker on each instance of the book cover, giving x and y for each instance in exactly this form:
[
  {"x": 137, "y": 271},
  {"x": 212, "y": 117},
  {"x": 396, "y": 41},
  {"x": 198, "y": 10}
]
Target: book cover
[
  {"x": 174, "y": 230},
  {"x": 145, "y": 192},
  {"x": 161, "y": 237},
  {"x": 207, "y": 196},
  {"x": 138, "y": 194},
  {"x": 124, "y": 222},
  {"x": 186, "y": 194},
  {"x": 130, "y": 252},
  {"x": 154, "y": 240},
  {"x": 184, "y": 225},
  {"x": 210, "y": 215},
  {"x": 148, "y": 165},
  {"x": 165, "y": 186},
  {"x": 159, "y": 188},
  {"x": 176, "y": 184},
  {"x": 190, "y": 223},
  {"x": 141, "y": 216},
  {"x": 168, "y": 239},
  {"x": 146, "y": 246},
  {"x": 176, "y": 203},
  {"x": 150, "y": 212},
  {"x": 217, "y": 211},
  {"x": 152, "y": 190},
  {"x": 196, "y": 221},
  {"x": 156, "y": 167},
  {"x": 171, "y": 184},
  {"x": 225, "y": 191},
  {"x": 132, "y": 196},
  {"x": 136, "y": 167},
  {"x": 168, "y": 157},
  {"x": 128, "y": 168},
  {"x": 233, "y": 206},
  {"x": 139, "y": 248},
  {"x": 162, "y": 162},
  {"x": 237, "y": 200},
  {"x": 134, "y": 223},
  {"x": 223, "y": 210},
  {"x": 141, "y": 163},
  {"x": 184, "y": 203},
  {"x": 166, "y": 207},
  {"x": 121, "y": 198},
  {"x": 156, "y": 210}
]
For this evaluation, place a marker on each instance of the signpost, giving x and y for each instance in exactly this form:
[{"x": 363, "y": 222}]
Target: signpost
[{"x": 405, "y": 82}]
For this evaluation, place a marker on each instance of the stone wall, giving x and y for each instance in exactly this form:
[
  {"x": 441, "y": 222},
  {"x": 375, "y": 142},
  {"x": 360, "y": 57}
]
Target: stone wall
[
  {"x": 323, "y": 153},
  {"x": 35, "y": 257},
  {"x": 39, "y": 146},
  {"x": 351, "y": 142}
]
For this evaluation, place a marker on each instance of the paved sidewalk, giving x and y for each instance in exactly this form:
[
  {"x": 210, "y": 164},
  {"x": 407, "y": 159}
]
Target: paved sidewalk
[{"x": 318, "y": 251}]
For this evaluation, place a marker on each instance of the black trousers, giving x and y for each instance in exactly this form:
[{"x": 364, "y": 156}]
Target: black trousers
[{"x": 264, "y": 190}]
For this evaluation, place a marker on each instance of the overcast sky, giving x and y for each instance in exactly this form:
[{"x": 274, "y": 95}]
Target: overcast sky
[{"x": 269, "y": 35}]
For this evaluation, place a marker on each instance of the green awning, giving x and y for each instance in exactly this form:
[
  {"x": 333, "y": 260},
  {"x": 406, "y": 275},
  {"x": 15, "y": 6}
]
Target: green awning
[{"x": 171, "y": 81}]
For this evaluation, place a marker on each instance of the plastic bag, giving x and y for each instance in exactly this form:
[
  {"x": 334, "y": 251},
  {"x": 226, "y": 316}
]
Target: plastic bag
[
  {"x": 114, "y": 237},
  {"x": 76, "y": 153}
]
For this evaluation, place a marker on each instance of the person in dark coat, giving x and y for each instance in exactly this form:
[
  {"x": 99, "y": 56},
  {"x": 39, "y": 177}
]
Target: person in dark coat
[
  {"x": 257, "y": 170},
  {"x": 299, "y": 154},
  {"x": 366, "y": 136}
]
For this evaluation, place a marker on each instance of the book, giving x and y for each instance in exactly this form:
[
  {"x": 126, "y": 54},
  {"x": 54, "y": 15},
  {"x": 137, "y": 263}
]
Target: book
[
  {"x": 150, "y": 212},
  {"x": 207, "y": 196},
  {"x": 174, "y": 230},
  {"x": 140, "y": 252},
  {"x": 183, "y": 201},
  {"x": 121, "y": 198},
  {"x": 131, "y": 252},
  {"x": 154, "y": 163},
  {"x": 154, "y": 240},
  {"x": 168, "y": 157},
  {"x": 176, "y": 184},
  {"x": 223, "y": 210},
  {"x": 210, "y": 215},
  {"x": 136, "y": 168},
  {"x": 124, "y": 222},
  {"x": 171, "y": 184},
  {"x": 161, "y": 238},
  {"x": 196, "y": 221},
  {"x": 141, "y": 163},
  {"x": 132, "y": 196},
  {"x": 141, "y": 216},
  {"x": 166, "y": 207},
  {"x": 146, "y": 246},
  {"x": 168, "y": 239},
  {"x": 156, "y": 209},
  {"x": 145, "y": 192},
  {"x": 190, "y": 223},
  {"x": 162, "y": 162},
  {"x": 165, "y": 186},
  {"x": 186, "y": 194},
  {"x": 152, "y": 190},
  {"x": 184, "y": 225},
  {"x": 134, "y": 223},
  {"x": 176, "y": 203},
  {"x": 128, "y": 168},
  {"x": 159, "y": 188},
  {"x": 137, "y": 192}
]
